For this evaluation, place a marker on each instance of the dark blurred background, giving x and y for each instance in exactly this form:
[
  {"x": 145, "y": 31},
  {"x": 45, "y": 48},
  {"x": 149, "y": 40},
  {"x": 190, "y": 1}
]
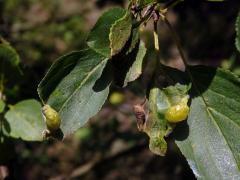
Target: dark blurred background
[{"x": 109, "y": 147}]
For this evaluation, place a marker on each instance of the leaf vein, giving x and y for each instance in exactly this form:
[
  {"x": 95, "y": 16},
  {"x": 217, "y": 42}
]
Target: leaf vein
[
  {"x": 220, "y": 130},
  {"x": 81, "y": 84}
]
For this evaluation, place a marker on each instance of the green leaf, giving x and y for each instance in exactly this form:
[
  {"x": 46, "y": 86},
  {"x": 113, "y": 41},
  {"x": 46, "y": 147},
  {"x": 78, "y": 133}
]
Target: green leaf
[
  {"x": 157, "y": 126},
  {"x": 120, "y": 33},
  {"x": 24, "y": 120},
  {"x": 210, "y": 139},
  {"x": 175, "y": 93},
  {"x": 98, "y": 38},
  {"x": 2, "y": 106},
  {"x": 127, "y": 64},
  {"x": 76, "y": 87},
  {"x": 9, "y": 64},
  {"x": 136, "y": 69},
  {"x": 56, "y": 73},
  {"x": 134, "y": 40},
  {"x": 237, "y": 40},
  {"x": 7, "y": 53}
]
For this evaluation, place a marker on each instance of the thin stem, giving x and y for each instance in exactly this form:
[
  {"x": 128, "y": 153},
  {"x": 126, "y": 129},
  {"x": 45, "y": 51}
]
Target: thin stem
[
  {"x": 156, "y": 40},
  {"x": 177, "y": 41},
  {"x": 130, "y": 5},
  {"x": 158, "y": 64},
  {"x": 180, "y": 49},
  {"x": 157, "y": 48},
  {"x": 146, "y": 17},
  {"x": 153, "y": 76}
]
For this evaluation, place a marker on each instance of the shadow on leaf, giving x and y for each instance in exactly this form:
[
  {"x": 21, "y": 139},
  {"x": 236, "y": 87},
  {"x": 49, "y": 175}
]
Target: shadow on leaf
[
  {"x": 105, "y": 79},
  {"x": 203, "y": 76}
]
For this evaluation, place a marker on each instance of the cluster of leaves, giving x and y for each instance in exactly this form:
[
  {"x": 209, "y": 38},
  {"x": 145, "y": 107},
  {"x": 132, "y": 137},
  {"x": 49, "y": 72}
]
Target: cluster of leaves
[
  {"x": 77, "y": 85},
  {"x": 212, "y": 129}
]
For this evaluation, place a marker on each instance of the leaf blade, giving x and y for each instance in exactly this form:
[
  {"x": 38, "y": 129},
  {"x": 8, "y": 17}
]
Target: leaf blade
[
  {"x": 9, "y": 54},
  {"x": 98, "y": 38},
  {"x": 120, "y": 33},
  {"x": 49, "y": 83},
  {"x": 25, "y": 120},
  {"x": 212, "y": 146},
  {"x": 136, "y": 69},
  {"x": 77, "y": 96},
  {"x": 9, "y": 62}
]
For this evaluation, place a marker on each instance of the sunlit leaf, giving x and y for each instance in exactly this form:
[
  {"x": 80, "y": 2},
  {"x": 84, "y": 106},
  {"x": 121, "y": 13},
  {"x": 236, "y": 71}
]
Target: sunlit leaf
[
  {"x": 24, "y": 120},
  {"x": 157, "y": 125},
  {"x": 210, "y": 139},
  {"x": 120, "y": 33},
  {"x": 76, "y": 87},
  {"x": 98, "y": 38}
]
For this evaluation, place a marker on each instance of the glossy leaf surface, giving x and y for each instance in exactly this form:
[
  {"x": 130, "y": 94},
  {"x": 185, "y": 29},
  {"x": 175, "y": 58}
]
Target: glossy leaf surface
[
  {"x": 210, "y": 139},
  {"x": 72, "y": 88}
]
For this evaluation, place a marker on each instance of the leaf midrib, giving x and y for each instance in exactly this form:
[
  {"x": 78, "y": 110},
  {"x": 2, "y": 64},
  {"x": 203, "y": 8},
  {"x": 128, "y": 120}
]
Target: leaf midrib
[
  {"x": 206, "y": 137},
  {"x": 82, "y": 83},
  {"x": 208, "y": 110},
  {"x": 220, "y": 130},
  {"x": 211, "y": 117}
]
